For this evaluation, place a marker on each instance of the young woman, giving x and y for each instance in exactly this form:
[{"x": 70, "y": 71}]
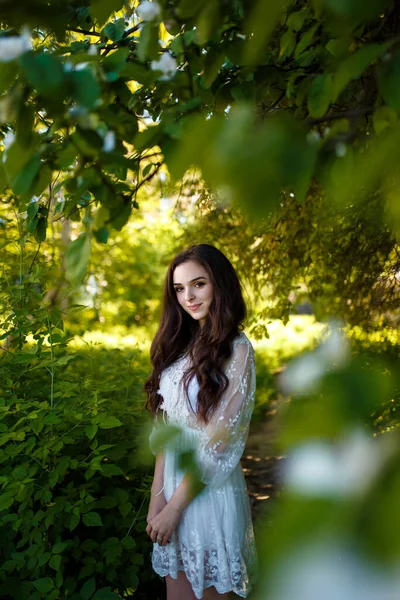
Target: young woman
[{"x": 203, "y": 381}]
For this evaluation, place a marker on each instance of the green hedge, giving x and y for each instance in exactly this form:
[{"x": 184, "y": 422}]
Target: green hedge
[{"x": 74, "y": 486}]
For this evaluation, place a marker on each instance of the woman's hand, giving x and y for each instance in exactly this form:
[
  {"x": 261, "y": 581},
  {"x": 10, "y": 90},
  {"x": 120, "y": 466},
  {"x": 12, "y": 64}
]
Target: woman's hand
[{"x": 163, "y": 524}]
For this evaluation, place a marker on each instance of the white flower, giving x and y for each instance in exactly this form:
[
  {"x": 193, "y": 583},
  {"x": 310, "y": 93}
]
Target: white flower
[
  {"x": 148, "y": 11},
  {"x": 109, "y": 142},
  {"x": 13, "y": 46},
  {"x": 333, "y": 570},
  {"x": 34, "y": 199},
  {"x": 92, "y": 50},
  {"x": 313, "y": 137},
  {"x": 340, "y": 149},
  {"x": 302, "y": 374},
  {"x": 324, "y": 469},
  {"x": 335, "y": 348},
  {"x": 68, "y": 66},
  {"x": 8, "y": 139},
  {"x": 166, "y": 64}
]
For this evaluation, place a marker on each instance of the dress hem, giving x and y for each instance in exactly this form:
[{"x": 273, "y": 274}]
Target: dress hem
[{"x": 219, "y": 589}]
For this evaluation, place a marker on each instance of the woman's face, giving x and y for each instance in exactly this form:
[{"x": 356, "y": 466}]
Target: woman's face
[{"x": 193, "y": 288}]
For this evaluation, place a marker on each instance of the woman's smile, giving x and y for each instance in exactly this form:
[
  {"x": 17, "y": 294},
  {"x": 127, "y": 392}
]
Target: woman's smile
[{"x": 194, "y": 306}]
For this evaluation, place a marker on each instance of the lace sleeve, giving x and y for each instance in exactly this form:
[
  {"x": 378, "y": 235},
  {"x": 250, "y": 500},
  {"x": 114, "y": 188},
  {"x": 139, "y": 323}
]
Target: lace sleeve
[{"x": 224, "y": 437}]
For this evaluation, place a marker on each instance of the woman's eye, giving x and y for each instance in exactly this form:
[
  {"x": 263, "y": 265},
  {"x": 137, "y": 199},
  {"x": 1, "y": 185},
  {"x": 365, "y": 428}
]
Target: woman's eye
[{"x": 200, "y": 283}]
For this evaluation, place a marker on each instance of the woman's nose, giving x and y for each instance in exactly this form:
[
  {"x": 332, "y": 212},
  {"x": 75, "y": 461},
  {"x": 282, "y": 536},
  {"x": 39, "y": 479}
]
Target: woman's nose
[{"x": 189, "y": 294}]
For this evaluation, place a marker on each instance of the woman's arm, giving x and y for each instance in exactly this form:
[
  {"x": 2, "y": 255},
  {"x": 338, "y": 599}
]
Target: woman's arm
[
  {"x": 158, "y": 479},
  {"x": 186, "y": 491},
  {"x": 157, "y": 498}
]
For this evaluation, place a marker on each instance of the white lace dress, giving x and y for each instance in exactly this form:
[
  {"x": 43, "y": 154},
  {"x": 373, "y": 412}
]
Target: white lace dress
[{"x": 214, "y": 540}]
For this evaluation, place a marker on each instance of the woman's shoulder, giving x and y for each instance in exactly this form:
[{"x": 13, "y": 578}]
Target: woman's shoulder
[
  {"x": 242, "y": 339},
  {"x": 242, "y": 348}
]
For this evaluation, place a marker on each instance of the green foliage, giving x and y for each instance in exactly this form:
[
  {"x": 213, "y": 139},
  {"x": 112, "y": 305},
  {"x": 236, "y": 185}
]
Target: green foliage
[{"x": 73, "y": 484}]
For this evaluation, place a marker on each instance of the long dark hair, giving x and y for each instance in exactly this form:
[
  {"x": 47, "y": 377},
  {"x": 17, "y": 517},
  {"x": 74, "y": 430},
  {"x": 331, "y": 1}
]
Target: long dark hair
[{"x": 210, "y": 345}]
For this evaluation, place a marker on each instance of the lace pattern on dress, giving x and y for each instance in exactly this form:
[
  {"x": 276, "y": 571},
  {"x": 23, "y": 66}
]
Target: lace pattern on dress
[{"x": 226, "y": 568}]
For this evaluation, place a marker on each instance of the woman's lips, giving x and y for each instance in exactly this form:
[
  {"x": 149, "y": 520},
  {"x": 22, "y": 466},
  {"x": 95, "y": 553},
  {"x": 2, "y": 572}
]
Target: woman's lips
[{"x": 194, "y": 307}]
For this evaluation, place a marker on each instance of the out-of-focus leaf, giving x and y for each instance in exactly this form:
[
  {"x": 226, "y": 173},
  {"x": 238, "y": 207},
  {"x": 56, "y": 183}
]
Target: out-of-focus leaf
[
  {"x": 305, "y": 40},
  {"x": 320, "y": 95},
  {"x": 102, "y": 9},
  {"x": 116, "y": 61},
  {"x": 388, "y": 81},
  {"x": 77, "y": 257},
  {"x": 148, "y": 47},
  {"x": 85, "y": 88},
  {"x": 355, "y": 65},
  {"x": 45, "y": 73},
  {"x": 296, "y": 19},
  {"x": 259, "y": 26},
  {"x": 384, "y": 117},
  {"x": 288, "y": 43},
  {"x": 21, "y": 167}
]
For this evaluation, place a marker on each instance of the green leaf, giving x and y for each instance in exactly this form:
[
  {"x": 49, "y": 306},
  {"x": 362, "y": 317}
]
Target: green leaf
[
  {"x": 132, "y": 71},
  {"x": 109, "y": 423},
  {"x": 128, "y": 543},
  {"x": 355, "y": 65},
  {"x": 85, "y": 88},
  {"x": 337, "y": 48},
  {"x": 77, "y": 257},
  {"x": 6, "y": 500},
  {"x": 296, "y": 19},
  {"x": 24, "y": 357},
  {"x": 67, "y": 156},
  {"x": 125, "y": 509},
  {"x": 101, "y": 235},
  {"x": 42, "y": 560},
  {"x": 116, "y": 61},
  {"x": 106, "y": 594},
  {"x": 8, "y": 74},
  {"x": 388, "y": 81},
  {"x": 110, "y": 470},
  {"x": 259, "y": 26},
  {"x": 320, "y": 95},
  {"x": 57, "y": 548},
  {"x": 88, "y": 588},
  {"x": 45, "y": 72},
  {"x": 21, "y": 167},
  {"x": 44, "y": 585},
  {"x": 74, "y": 521},
  {"x": 101, "y": 10},
  {"x": 305, "y": 41},
  {"x": 115, "y": 30},
  {"x": 92, "y": 519},
  {"x": 148, "y": 47},
  {"x": 288, "y": 43},
  {"x": 53, "y": 478},
  {"x": 55, "y": 562},
  {"x": 90, "y": 431},
  {"x": 384, "y": 117}
]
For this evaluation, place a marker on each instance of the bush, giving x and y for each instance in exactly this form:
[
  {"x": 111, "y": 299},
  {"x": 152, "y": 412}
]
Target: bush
[{"x": 74, "y": 487}]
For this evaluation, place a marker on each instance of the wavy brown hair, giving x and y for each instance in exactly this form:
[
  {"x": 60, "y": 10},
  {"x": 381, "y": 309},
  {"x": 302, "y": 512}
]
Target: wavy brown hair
[{"x": 210, "y": 345}]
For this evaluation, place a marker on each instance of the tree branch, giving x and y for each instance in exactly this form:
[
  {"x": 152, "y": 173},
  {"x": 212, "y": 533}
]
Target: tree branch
[{"x": 346, "y": 114}]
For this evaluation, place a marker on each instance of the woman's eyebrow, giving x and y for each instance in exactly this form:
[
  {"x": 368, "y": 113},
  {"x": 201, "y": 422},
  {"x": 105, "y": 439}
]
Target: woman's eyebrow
[{"x": 191, "y": 281}]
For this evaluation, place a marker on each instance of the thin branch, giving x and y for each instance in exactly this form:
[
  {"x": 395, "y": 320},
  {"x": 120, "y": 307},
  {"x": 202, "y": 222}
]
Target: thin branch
[
  {"x": 84, "y": 31},
  {"x": 346, "y": 114}
]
